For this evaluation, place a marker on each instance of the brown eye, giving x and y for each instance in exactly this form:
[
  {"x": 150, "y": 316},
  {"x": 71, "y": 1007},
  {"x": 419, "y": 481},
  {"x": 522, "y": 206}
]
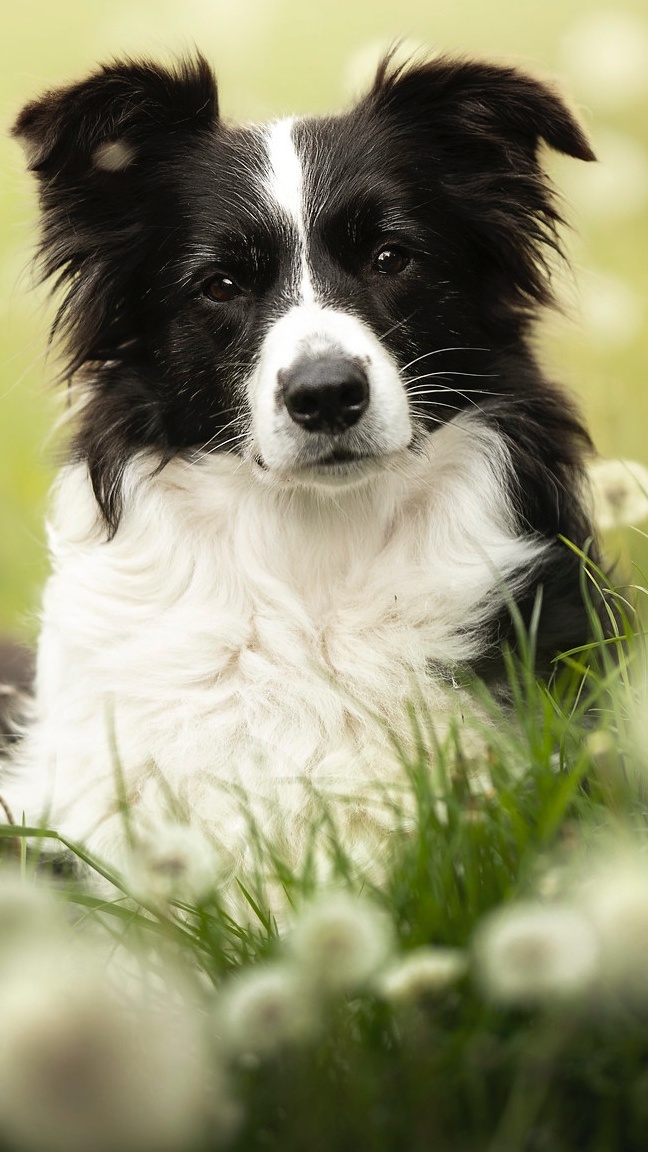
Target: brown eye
[
  {"x": 222, "y": 288},
  {"x": 391, "y": 261}
]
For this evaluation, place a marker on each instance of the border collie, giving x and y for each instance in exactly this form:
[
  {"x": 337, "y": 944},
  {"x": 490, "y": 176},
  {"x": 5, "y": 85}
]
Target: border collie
[{"x": 315, "y": 459}]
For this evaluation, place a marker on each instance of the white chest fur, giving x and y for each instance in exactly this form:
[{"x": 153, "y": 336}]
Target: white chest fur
[{"x": 239, "y": 639}]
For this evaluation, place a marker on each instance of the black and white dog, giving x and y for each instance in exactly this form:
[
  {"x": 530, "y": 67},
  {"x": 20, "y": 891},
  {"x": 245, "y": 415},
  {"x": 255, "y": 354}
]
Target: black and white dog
[{"x": 315, "y": 456}]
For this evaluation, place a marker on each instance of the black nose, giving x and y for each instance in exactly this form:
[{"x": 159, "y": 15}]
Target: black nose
[{"x": 325, "y": 393}]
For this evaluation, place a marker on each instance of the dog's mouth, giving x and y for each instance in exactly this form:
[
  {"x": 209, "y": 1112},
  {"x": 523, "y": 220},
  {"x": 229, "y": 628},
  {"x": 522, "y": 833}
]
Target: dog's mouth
[
  {"x": 336, "y": 468},
  {"x": 337, "y": 464},
  {"x": 339, "y": 458}
]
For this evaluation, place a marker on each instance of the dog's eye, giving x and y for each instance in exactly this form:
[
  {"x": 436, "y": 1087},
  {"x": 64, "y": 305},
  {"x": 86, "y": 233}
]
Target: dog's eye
[
  {"x": 391, "y": 261},
  {"x": 222, "y": 288}
]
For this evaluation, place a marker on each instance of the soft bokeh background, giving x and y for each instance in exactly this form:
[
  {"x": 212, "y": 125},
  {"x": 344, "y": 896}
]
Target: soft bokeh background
[{"x": 278, "y": 56}]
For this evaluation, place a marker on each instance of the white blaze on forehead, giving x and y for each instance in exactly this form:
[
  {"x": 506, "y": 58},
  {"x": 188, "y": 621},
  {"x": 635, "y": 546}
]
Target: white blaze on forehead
[{"x": 285, "y": 186}]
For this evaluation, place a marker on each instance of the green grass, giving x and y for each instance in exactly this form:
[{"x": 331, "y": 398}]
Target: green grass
[{"x": 337, "y": 1060}]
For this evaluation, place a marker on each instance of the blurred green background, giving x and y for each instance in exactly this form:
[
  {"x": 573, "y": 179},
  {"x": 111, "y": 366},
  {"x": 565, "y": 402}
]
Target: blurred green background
[{"x": 278, "y": 56}]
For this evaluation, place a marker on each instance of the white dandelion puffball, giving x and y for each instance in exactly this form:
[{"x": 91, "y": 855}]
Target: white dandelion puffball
[
  {"x": 340, "y": 942},
  {"x": 602, "y": 747},
  {"x": 83, "y": 1068},
  {"x": 264, "y": 1009},
  {"x": 173, "y": 862},
  {"x": 532, "y": 953},
  {"x": 619, "y": 490},
  {"x": 27, "y": 908},
  {"x": 423, "y": 973},
  {"x": 605, "y": 54},
  {"x": 611, "y": 313},
  {"x": 615, "y": 898}
]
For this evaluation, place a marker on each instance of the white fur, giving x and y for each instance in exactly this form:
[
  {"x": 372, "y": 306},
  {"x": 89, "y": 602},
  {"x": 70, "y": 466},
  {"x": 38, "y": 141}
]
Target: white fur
[
  {"x": 238, "y": 633},
  {"x": 284, "y": 186},
  {"x": 287, "y": 448}
]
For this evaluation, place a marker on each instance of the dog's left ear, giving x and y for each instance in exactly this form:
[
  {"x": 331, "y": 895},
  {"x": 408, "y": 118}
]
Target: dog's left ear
[
  {"x": 473, "y": 131},
  {"x": 485, "y": 104}
]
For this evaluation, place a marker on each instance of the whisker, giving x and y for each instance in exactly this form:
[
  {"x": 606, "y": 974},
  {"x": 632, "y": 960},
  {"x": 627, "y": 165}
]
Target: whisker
[
  {"x": 429, "y": 396},
  {"x": 243, "y": 460},
  {"x": 422, "y": 399},
  {"x": 438, "y": 351},
  {"x": 219, "y": 447},
  {"x": 437, "y": 404},
  {"x": 442, "y": 374},
  {"x": 213, "y": 439},
  {"x": 470, "y": 391},
  {"x": 218, "y": 433},
  {"x": 398, "y": 324},
  {"x": 435, "y": 388},
  {"x": 432, "y": 391},
  {"x": 428, "y": 418}
]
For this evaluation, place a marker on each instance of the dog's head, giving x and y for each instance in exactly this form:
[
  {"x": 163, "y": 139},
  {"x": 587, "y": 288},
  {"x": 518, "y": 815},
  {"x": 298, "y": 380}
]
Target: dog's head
[{"x": 315, "y": 294}]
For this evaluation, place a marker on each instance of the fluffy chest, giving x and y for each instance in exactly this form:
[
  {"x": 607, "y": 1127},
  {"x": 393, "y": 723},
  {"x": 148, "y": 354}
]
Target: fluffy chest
[
  {"x": 235, "y": 642},
  {"x": 274, "y": 614},
  {"x": 224, "y": 614}
]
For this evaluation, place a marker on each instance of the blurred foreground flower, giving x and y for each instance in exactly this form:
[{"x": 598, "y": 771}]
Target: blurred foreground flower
[
  {"x": 611, "y": 312},
  {"x": 614, "y": 896},
  {"x": 26, "y": 909},
  {"x": 606, "y": 55},
  {"x": 531, "y": 953},
  {"x": 423, "y": 973},
  {"x": 265, "y": 1008},
  {"x": 619, "y": 492},
  {"x": 616, "y": 188},
  {"x": 85, "y": 1065},
  {"x": 173, "y": 862},
  {"x": 340, "y": 942}
]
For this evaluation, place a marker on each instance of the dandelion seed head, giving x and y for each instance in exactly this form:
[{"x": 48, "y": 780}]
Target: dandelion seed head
[
  {"x": 423, "y": 973},
  {"x": 82, "y": 1066},
  {"x": 615, "y": 898},
  {"x": 619, "y": 491},
  {"x": 615, "y": 189},
  {"x": 264, "y": 1009},
  {"x": 26, "y": 908},
  {"x": 529, "y": 953},
  {"x": 611, "y": 312},
  {"x": 606, "y": 55},
  {"x": 173, "y": 862},
  {"x": 340, "y": 942},
  {"x": 600, "y": 744},
  {"x": 551, "y": 883}
]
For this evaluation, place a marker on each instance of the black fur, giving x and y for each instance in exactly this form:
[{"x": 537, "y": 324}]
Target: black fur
[{"x": 442, "y": 158}]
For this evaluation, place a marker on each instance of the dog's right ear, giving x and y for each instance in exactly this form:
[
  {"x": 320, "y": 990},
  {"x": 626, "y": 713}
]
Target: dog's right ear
[
  {"x": 106, "y": 153},
  {"x": 104, "y": 121}
]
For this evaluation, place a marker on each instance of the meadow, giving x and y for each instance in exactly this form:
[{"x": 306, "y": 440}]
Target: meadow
[
  {"x": 487, "y": 989},
  {"x": 484, "y": 990}
]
